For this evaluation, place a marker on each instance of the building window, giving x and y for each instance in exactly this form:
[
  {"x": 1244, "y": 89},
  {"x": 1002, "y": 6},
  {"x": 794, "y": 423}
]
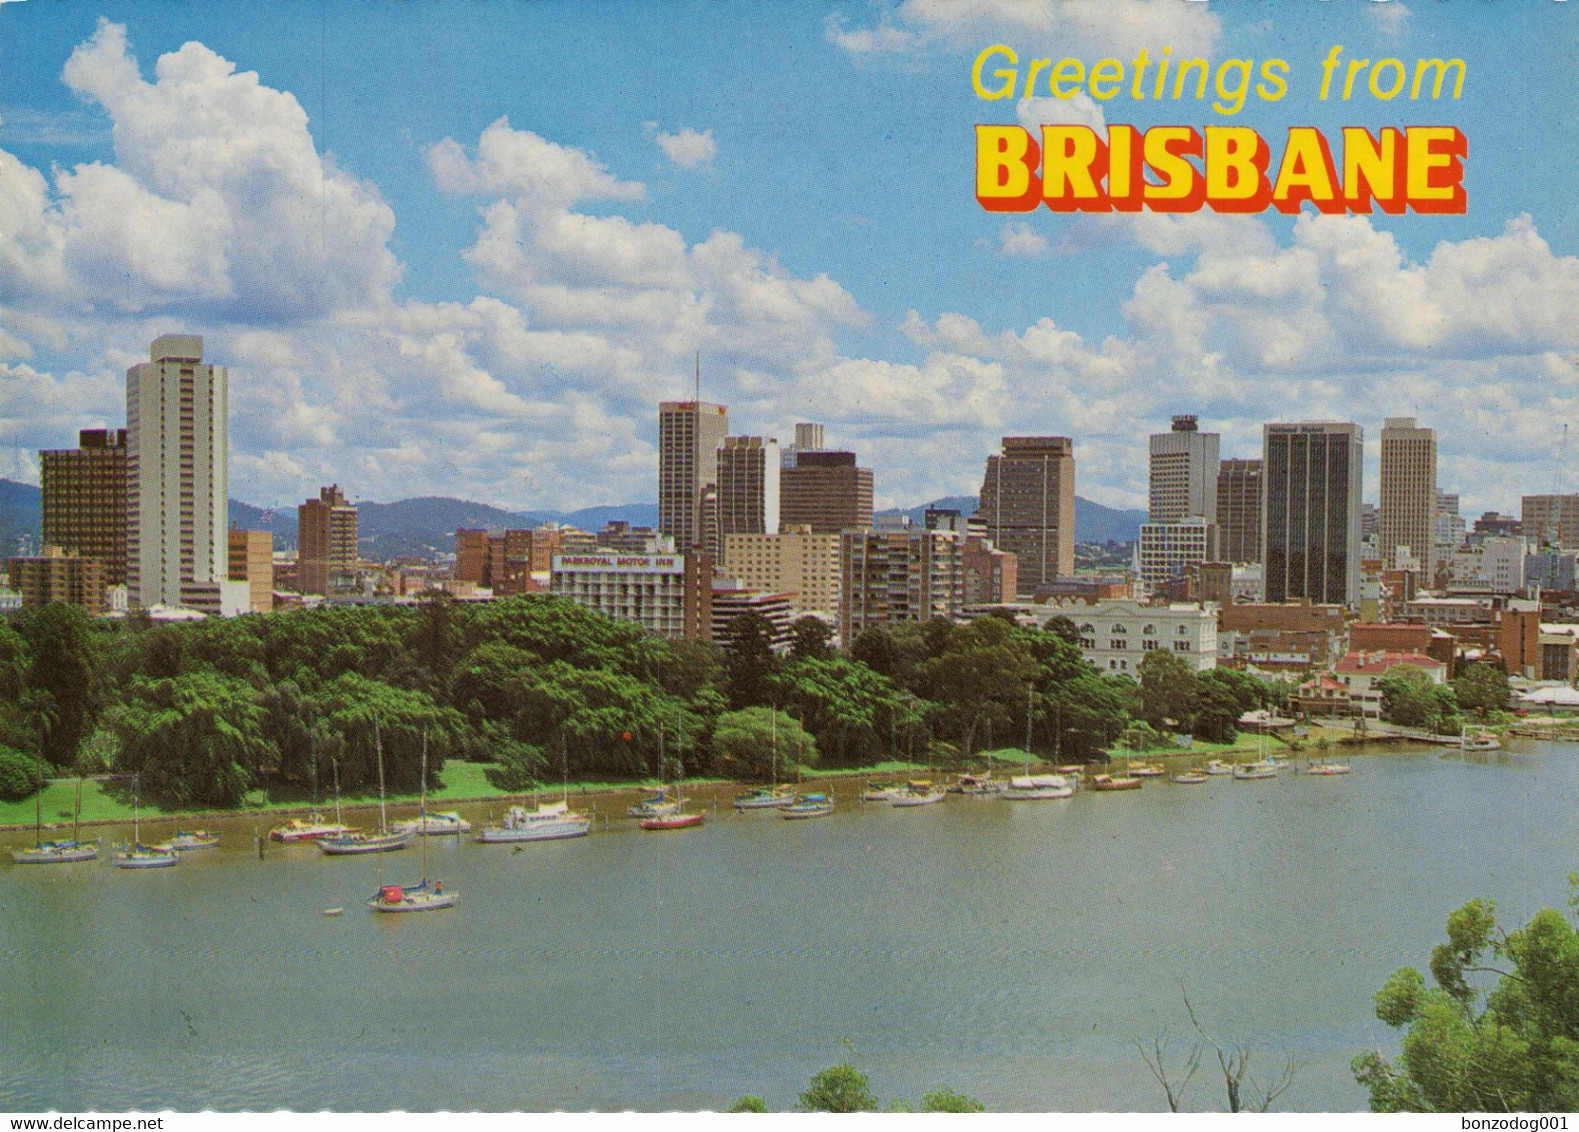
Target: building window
[
  {"x": 1183, "y": 631},
  {"x": 1181, "y": 646},
  {"x": 1148, "y": 646},
  {"x": 1150, "y": 630},
  {"x": 1088, "y": 643},
  {"x": 1118, "y": 644},
  {"x": 1119, "y": 629}
]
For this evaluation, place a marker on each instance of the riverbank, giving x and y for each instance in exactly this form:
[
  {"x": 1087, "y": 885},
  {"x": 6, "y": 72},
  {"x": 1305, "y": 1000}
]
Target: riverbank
[{"x": 109, "y": 802}]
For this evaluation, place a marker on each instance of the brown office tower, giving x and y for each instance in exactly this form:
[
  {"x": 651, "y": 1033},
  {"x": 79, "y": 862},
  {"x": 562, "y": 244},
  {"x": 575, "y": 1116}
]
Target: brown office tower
[
  {"x": 748, "y": 488},
  {"x": 326, "y": 543},
  {"x": 1408, "y": 494},
  {"x": 84, "y": 499},
  {"x": 1028, "y": 504},
  {"x": 1551, "y": 520},
  {"x": 1239, "y": 510},
  {"x": 690, "y": 433},
  {"x": 826, "y": 492},
  {"x": 252, "y": 561}
]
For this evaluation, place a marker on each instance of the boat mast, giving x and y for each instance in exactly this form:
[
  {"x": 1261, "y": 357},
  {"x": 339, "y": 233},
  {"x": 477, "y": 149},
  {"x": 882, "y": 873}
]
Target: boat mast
[
  {"x": 378, "y": 744},
  {"x": 1029, "y": 693},
  {"x": 76, "y": 812},
  {"x": 564, "y": 766},
  {"x": 38, "y": 801},
  {"x": 774, "y": 724},
  {"x": 137, "y": 837},
  {"x": 334, "y": 762},
  {"x": 422, "y": 809}
]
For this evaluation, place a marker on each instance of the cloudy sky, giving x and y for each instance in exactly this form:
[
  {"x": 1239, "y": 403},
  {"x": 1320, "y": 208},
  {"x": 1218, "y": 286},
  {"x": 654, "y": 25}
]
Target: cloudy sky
[{"x": 464, "y": 249}]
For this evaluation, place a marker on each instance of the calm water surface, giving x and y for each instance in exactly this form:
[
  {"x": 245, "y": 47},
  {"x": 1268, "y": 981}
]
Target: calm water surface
[{"x": 1009, "y": 950}]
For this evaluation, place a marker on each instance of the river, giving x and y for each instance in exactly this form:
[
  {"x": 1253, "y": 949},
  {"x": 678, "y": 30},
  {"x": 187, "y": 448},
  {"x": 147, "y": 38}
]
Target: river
[{"x": 1012, "y": 951}]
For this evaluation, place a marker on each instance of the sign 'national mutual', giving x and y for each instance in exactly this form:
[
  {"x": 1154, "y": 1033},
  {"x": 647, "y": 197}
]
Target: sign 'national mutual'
[{"x": 1121, "y": 168}]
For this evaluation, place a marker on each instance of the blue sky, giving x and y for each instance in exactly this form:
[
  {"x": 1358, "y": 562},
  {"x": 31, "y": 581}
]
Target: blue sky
[{"x": 415, "y": 298}]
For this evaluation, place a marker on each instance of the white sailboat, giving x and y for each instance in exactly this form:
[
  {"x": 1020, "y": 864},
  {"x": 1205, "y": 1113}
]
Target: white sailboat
[
  {"x": 385, "y": 840},
  {"x": 1030, "y": 787},
  {"x": 412, "y": 897},
  {"x": 54, "y": 852},
  {"x": 140, "y": 856}
]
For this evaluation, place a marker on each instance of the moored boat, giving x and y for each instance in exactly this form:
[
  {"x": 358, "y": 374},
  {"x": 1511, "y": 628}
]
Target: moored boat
[
  {"x": 1190, "y": 777},
  {"x": 55, "y": 853},
  {"x": 1109, "y": 782},
  {"x": 917, "y": 792},
  {"x": 447, "y": 824},
  {"x": 351, "y": 844},
  {"x": 657, "y": 806},
  {"x": 808, "y": 806},
  {"x": 192, "y": 839},
  {"x": 308, "y": 829},
  {"x": 882, "y": 791},
  {"x": 140, "y": 856},
  {"x": 412, "y": 898},
  {"x": 548, "y": 822},
  {"x": 1327, "y": 770},
  {"x": 765, "y": 798},
  {"x": 1146, "y": 770},
  {"x": 1217, "y": 768},
  {"x": 1255, "y": 770},
  {"x": 1037, "y": 788},
  {"x": 977, "y": 785},
  {"x": 674, "y": 821}
]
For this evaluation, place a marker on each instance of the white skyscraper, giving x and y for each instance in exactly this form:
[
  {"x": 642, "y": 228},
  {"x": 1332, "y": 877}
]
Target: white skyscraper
[{"x": 177, "y": 549}]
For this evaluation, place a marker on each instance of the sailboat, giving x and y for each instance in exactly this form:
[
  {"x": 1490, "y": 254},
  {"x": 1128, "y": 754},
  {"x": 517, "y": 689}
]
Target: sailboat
[
  {"x": 53, "y": 852},
  {"x": 413, "y": 897},
  {"x": 547, "y": 822},
  {"x": 385, "y": 840},
  {"x": 140, "y": 856},
  {"x": 1030, "y": 787},
  {"x": 768, "y": 797},
  {"x": 675, "y": 818},
  {"x": 313, "y": 827}
]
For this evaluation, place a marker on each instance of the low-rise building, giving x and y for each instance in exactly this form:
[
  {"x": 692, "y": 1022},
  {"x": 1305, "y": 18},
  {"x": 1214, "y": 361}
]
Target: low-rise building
[
  {"x": 252, "y": 562},
  {"x": 57, "y": 575},
  {"x": 1361, "y": 671},
  {"x": 731, "y": 600},
  {"x": 667, "y": 594},
  {"x": 792, "y": 561},
  {"x": 1117, "y": 635}
]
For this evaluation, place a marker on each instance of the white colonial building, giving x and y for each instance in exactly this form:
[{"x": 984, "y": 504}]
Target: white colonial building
[{"x": 1116, "y": 635}]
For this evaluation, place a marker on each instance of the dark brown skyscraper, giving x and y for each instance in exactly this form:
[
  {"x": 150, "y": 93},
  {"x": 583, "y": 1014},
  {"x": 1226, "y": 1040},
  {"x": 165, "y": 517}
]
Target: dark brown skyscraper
[
  {"x": 326, "y": 548},
  {"x": 1239, "y": 510},
  {"x": 826, "y": 492},
  {"x": 1028, "y": 504},
  {"x": 1310, "y": 529},
  {"x": 84, "y": 499}
]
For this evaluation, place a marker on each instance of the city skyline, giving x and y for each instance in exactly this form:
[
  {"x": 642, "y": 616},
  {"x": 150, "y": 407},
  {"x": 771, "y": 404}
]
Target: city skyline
[{"x": 481, "y": 294}]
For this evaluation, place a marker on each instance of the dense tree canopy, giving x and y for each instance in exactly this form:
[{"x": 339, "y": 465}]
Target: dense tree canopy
[
  {"x": 1510, "y": 1048},
  {"x": 209, "y": 711}
]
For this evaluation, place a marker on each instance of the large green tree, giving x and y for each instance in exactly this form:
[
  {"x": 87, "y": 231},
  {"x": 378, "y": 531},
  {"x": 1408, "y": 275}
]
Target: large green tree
[
  {"x": 983, "y": 677},
  {"x": 1475, "y": 1045},
  {"x": 758, "y": 743},
  {"x": 60, "y": 638},
  {"x": 1482, "y": 688},
  {"x": 839, "y": 1088},
  {"x": 1167, "y": 690},
  {"x": 193, "y": 739},
  {"x": 1410, "y": 699}
]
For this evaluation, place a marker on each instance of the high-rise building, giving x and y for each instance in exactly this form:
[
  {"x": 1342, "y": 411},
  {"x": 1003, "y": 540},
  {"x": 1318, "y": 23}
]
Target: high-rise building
[
  {"x": 690, "y": 434},
  {"x": 1183, "y": 473},
  {"x": 1239, "y": 510},
  {"x": 912, "y": 575},
  {"x": 748, "y": 487},
  {"x": 827, "y": 492},
  {"x": 177, "y": 447},
  {"x": 326, "y": 546},
  {"x": 252, "y": 562},
  {"x": 504, "y": 561},
  {"x": 808, "y": 438},
  {"x": 1028, "y": 505},
  {"x": 1551, "y": 520},
  {"x": 1310, "y": 528},
  {"x": 1408, "y": 494},
  {"x": 83, "y": 499}
]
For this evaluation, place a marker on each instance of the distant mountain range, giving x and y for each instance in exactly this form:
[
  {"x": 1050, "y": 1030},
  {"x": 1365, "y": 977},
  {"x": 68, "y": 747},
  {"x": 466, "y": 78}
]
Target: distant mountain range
[{"x": 427, "y": 525}]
